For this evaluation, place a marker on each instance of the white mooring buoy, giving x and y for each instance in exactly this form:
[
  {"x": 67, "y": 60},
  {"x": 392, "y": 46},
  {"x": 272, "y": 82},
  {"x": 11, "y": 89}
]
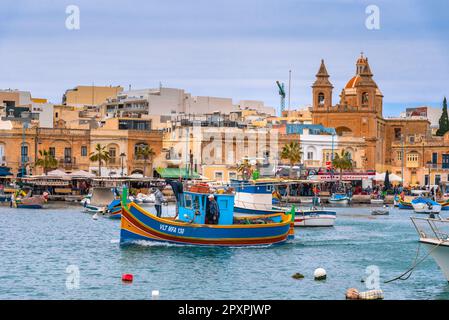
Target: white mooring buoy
[
  {"x": 319, "y": 274},
  {"x": 155, "y": 295}
]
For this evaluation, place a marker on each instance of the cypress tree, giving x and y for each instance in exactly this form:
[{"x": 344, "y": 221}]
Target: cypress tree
[{"x": 443, "y": 126}]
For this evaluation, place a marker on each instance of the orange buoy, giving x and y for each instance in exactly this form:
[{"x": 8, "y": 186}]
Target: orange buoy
[{"x": 127, "y": 277}]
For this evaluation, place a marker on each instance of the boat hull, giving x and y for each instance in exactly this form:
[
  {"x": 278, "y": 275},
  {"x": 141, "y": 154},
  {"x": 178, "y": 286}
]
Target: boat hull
[
  {"x": 315, "y": 218},
  {"x": 405, "y": 205},
  {"x": 137, "y": 224},
  {"x": 440, "y": 254},
  {"x": 338, "y": 201}
]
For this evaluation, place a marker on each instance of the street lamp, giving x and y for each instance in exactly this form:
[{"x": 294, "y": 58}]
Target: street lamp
[{"x": 122, "y": 157}]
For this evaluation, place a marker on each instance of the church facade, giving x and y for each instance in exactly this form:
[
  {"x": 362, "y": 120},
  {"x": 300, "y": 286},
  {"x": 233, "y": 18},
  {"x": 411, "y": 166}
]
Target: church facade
[{"x": 358, "y": 114}]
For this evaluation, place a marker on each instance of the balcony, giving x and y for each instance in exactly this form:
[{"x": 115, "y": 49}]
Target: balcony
[{"x": 312, "y": 163}]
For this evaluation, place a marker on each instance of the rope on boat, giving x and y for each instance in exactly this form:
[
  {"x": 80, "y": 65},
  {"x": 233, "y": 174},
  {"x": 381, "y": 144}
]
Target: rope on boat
[{"x": 414, "y": 265}]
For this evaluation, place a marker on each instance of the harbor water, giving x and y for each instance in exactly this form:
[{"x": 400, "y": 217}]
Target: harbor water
[{"x": 62, "y": 253}]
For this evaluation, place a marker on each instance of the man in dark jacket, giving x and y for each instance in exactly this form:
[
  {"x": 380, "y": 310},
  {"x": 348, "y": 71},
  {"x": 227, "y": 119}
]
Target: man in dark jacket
[{"x": 213, "y": 212}]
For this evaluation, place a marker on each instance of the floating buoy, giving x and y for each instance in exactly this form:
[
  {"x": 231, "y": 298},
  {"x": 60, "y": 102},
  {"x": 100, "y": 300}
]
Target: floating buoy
[
  {"x": 298, "y": 276},
  {"x": 354, "y": 294},
  {"x": 319, "y": 274},
  {"x": 95, "y": 216},
  {"x": 155, "y": 294},
  {"x": 127, "y": 277}
]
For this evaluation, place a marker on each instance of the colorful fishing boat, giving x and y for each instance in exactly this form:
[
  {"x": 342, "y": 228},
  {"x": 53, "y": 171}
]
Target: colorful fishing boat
[
  {"x": 402, "y": 204},
  {"x": 425, "y": 205},
  {"x": 444, "y": 205},
  {"x": 255, "y": 198},
  {"x": 190, "y": 228},
  {"x": 338, "y": 198},
  {"x": 29, "y": 202},
  {"x": 114, "y": 210}
]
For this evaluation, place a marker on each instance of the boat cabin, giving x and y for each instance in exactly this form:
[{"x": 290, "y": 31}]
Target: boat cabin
[
  {"x": 193, "y": 207},
  {"x": 253, "y": 192}
]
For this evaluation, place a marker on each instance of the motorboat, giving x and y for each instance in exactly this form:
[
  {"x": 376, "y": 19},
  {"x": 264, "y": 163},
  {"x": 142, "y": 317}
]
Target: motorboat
[
  {"x": 425, "y": 205},
  {"x": 338, "y": 198},
  {"x": 254, "y": 197}
]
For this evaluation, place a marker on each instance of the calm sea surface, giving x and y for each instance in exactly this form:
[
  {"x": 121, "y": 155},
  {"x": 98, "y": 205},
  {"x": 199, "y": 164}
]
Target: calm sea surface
[{"x": 37, "y": 246}]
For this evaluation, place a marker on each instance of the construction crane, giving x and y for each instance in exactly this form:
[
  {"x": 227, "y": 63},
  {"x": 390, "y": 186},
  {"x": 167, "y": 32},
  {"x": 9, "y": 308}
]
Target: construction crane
[{"x": 282, "y": 94}]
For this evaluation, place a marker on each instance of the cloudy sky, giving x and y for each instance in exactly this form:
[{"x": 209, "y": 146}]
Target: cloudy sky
[{"x": 226, "y": 48}]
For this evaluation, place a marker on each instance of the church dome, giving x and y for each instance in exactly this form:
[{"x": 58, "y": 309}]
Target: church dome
[{"x": 352, "y": 83}]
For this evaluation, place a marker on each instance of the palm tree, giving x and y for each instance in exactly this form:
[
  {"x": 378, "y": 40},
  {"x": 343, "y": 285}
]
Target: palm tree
[
  {"x": 292, "y": 153},
  {"x": 244, "y": 167},
  {"x": 46, "y": 161},
  {"x": 100, "y": 155},
  {"x": 343, "y": 162},
  {"x": 145, "y": 152}
]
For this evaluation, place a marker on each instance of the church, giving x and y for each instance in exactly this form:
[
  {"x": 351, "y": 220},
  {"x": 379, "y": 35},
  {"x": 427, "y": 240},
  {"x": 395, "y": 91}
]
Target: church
[{"x": 358, "y": 114}]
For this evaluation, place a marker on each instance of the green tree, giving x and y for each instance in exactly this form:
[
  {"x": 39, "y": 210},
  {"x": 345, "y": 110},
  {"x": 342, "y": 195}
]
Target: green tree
[
  {"x": 443, "y": 126},
  {"x": 100, "y": 154},
  {"x": 342, "y": 162},
  {"x": 292, "y": 153},
  {"x": 244, "y": 168},
  {"x": 46, "y": 161},
  {"x": 146, "y": 153}
]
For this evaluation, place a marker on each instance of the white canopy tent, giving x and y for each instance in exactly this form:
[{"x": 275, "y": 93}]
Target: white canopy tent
[
  {"x": 381, "y": 177},
  {"x": 82, "y": 174}
]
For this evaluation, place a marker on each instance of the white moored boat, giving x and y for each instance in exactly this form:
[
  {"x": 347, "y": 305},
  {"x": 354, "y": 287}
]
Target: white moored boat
[
  {"x": 339, "y": 199},
  {"x": 426, "y": 205},
  {"x": 434, "y": 235},
  {"x": 377, "y": 201}
]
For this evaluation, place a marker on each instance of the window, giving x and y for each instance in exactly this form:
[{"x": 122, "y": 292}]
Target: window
[
  {"x": 321, "y": 99},
  {"x": 232, "y": 175},
  {"x": 67, "y": 155},
  {"x": 412, "y": 157},
  {"x": 446, "y": 161},
  {"x": 24, "y": 153},
  {"x": 397, "y": 133},
  {"x": 218, "y": 175},
  {"x": 188, "y": 201},
  {"x": 310, "y": 155},
  {"x": 364, "y": 98},
  {"x": 52, "y": 151},
  {"x": 83, "y": 151},
  {"x": 411, "y": 139},
  {"x": 399, "y": 155},
  {"x": 437, "y": 179},
  {"x": 434, "y": 158}
]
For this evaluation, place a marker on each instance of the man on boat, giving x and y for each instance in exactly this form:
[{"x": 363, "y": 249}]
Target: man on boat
[
  {"x": 213, "y": 212},
  {"x": 158, "y": 200}
]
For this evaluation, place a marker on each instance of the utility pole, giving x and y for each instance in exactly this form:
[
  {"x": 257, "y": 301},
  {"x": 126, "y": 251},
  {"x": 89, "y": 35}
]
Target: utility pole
[
  {"x": 289, "y": 87},
  {"x": 403, "y": 156}
]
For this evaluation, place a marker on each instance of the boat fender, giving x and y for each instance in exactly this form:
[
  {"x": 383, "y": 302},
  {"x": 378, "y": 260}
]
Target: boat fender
[
  {"x": 354, "y": 294},
  {"x": 127, "y": 277}
]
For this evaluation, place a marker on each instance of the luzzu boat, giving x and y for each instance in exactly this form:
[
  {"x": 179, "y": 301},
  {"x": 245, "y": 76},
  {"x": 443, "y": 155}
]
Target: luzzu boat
[
  {"x": 114, "y": 210},
  {"x": 444, "y": 205},
  {"x": 255, "y": 198},
  {"x": 24, "y": 200},
  {"x": 337, "y": 198},
  {"x": 402, "y": 204},
  {"x": 425, "y": 205},
  {"x": 189, "y": 228}
]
